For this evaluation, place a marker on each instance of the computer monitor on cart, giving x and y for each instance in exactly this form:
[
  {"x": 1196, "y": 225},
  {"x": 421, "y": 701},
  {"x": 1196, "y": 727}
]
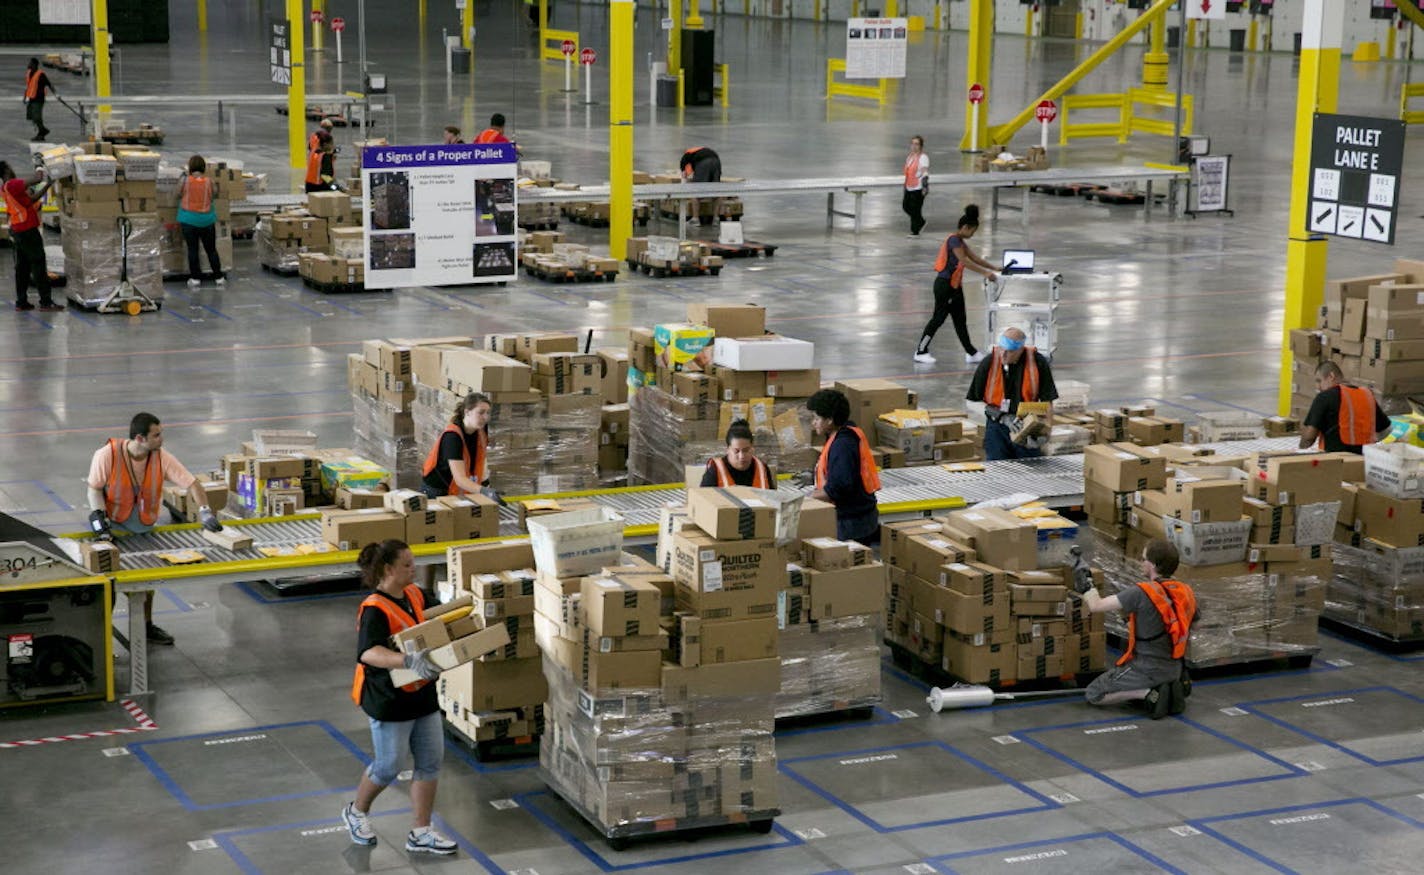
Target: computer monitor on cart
[{"x": 1018, "y": 261}]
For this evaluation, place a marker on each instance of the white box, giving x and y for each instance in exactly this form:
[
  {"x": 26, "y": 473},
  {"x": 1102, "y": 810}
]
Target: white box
[
  {"x": 1395, "y": 469},
  {"x": 576, "y": 543},
  {"x": 769, "y": 352},
  {"x": 1230, "y": 425},
  {"x": 1315, "y": 523},
  {"x": 96, "y": 169},
  {"x": 1209, "y": 543}
]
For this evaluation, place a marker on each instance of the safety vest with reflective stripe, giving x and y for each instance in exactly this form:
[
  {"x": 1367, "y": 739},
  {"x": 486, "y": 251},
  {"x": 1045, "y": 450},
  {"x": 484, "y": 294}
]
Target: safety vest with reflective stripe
[
  {"x": 314, "y": 167},
  {"x": 1357, "y": 417},
  {"x": 397, "y": 620},
  {"x": 23, "y": 214},
  {"x": 475, "y": 471},
  {"x": 994, "y": 383},
  {"x": 121, "y": 495},
  {"x": 32, "y": 84},
  {"x": 197, "y": 195},
  {"x": 760, "y": 480},
  {"x": 869, "y": 476},
  {"x": 1177, "y": 605},
  {"x": 491, "y": 135}
]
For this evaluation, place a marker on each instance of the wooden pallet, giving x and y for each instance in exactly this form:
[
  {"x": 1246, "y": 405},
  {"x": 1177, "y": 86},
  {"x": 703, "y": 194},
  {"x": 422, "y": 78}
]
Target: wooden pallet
[
  {"x": 667, "y": 269},
  {"x": 570, "y": 274},
  {"x": 746, "y": 249},
  {"x": 1373, "y": 637},
  {"x": 335, "y": 288},
  {"x": 496, "y": 750},
  {"x": 280, "y": 271},
  {"x": 908, "y": 662}
]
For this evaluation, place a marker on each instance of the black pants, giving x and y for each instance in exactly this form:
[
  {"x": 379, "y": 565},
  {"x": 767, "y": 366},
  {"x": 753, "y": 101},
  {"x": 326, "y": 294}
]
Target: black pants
[
  {"x": 913, "y": 205},
  {"x": 34, "y": 112},
  {"x": 949, "y": 301},
  {"x": 30, "y": 266},
  {"x": 192, "y": 235}
]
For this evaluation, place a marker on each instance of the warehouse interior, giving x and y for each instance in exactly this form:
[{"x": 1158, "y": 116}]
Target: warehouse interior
[{"x": 245, "y": 747}]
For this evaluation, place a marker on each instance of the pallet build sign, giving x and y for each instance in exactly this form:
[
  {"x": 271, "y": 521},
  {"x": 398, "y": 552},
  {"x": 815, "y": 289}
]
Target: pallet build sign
[
  {"x": 280, "y": 46},
  {"x": 1355, "y": 168},
  {"x": 439, "y": 215},
  {"x": 875, "y": 48},
  {"x": 64, "y": 11}
]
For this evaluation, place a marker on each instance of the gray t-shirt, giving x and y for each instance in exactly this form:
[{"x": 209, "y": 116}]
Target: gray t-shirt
[{"x": 1149, "y": 625}]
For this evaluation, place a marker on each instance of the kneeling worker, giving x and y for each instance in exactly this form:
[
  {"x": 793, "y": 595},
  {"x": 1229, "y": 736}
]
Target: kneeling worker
[
  {"x": 126, "y": 480},
  {"x": 1160, "y": 612},
  {"x": 740, "y": 466},
  {"x": 845, "y": 472},
  {"x": 1013, "y": 373},
  {"x": 1342, "y": 418}
]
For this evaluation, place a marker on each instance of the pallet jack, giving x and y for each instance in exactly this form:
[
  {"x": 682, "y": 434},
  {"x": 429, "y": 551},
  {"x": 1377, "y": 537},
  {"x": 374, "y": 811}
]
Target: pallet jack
[{"x": 126, "y": 297}]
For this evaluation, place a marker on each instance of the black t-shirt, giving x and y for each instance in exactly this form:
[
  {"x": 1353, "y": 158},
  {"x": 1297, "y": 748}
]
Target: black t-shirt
[
  {"x": 1324, "y": 416},
  {"x": 439, "y": 478},
  {"x": 379, "y": 697},
  {"x": 43, "y": 85},
  {"x": 739, "y": 478},
  {"x": 1013, "y": 381},
  {"x": 693, "y": 157}
]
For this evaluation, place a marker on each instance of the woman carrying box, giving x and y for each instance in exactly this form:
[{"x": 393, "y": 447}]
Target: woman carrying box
[{"x": 402, "y": 718}]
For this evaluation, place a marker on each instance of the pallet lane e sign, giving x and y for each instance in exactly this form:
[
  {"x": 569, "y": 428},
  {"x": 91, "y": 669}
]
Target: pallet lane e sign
[
  {"x": 1356, "y": 165},
  {"x": 280, "y": 30}
]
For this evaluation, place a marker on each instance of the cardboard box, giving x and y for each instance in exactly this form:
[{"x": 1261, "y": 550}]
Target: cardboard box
[
  {"x": 738, "y": 385},
  {"x": 457, "y": 653},
  {"x": 354, "y": 529},
  {"x": 734, "y": 512},
  {"x": 726, "y": 580},
  {"x": 871, "y": 397},
  {"x": 793, "y": 384},
  {"x": 926, "y": 554},
  {"x": 768, "y": 352},
  {"x": 1204, "y": 501},
  {"x": 751, "y": 677},
  {"x": 973, "y": 579},
  {"x": 610, "y": 672},
  {"x": 471, "y": 516},
  {"x": 729, "y": 320},
  {"x": 1298, "y": 479},
  {"x": 1101, "y": 503},
  {"x": 1000, "y": 538},
  {"x": 482, "y": 371},
  {"x": 985, "y": 664},
  {"x": 495, "y": 686},
  {"x": 738, "y": 640},
  {"x": 464, "y": 563},
  {"x": 847, "y": 592},
  {"x": 614, "y": 606},
  {"x": 99, "y": 557},
  {"x": 1398, "y": 522},
  {"x": 1124, "y": 467}
]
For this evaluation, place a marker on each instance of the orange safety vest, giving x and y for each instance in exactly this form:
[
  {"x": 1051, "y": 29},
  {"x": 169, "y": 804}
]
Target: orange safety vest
[
  {"x": 121, "y": 494},
  {"x": 760, "y": 480},
  {"x": 1177, "y": 605},
  {"x": 313, "y": 142},
  {"x": 314, "y": 167},
  {"x": 994, "y": 384},
  {"x": 32, "y": 84},
  {"x": 912, "y": 172},
  {"x": 956, "y": 279},
  {"x": 197, "y": 196},
  {"x": 869, "y": 476},
  {"x": 22, "y": 217},
  {"x": 1357, "y": 417},
  {"x": 490, "y": 135},
  {"x": 398, "y": 620},
  {"x": 475, "y": 472}
]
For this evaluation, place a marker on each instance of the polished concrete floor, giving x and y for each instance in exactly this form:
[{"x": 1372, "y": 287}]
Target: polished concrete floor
[{"x": 256, "y": 744}]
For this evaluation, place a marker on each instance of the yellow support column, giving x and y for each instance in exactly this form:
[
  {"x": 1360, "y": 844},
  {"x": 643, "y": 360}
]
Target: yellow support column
[
  {"x": 890, "y": 8},
  {"x": 318, "y": 27},
  {"x": 297, "y": 92},
  {"x": 1154, "y": 63},
  {"x": 1028, "y": 21},
  {"x": 620, "y": 127},
  {"x": 694, "y": 15},
  {"x": 1389, "y": 41},
  {"x": 100, "y": 26},
  {"x": 674, "y": 56},
  {"x": 1251, "y": 35},
  {"x": 467, "y": 24},
  {"x": 202, "y": 16},
  {"x": 1318, "y": 91},
  {"x": 1192, "y": 32},
  {"x": 980, "y": 58}
]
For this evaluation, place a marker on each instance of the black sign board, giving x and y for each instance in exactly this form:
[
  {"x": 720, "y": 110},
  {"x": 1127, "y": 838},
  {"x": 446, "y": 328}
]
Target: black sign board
[
  {"x": 1355, "y": 170},
  {"x": 281, "y": 48}
]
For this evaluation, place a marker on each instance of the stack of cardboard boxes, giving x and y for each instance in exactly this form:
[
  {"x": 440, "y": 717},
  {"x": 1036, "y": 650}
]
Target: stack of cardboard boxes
[
  {"x": 96, "y": 191},
  {"x": 342, "y": 260},
  {"x": 382, "y": 391},
  {"x": 499, "y": 696},
  {"x": 283, "y": 236},
  {"x": 408, "y": 515},
  {"x": 544, "y": 255},
  {"x": 277, "y": 473}
]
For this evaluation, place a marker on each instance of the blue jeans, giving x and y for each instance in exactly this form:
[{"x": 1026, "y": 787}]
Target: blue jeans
[
  {"x": 998, "y": 445},
  {"x": 424, "y": 737}
]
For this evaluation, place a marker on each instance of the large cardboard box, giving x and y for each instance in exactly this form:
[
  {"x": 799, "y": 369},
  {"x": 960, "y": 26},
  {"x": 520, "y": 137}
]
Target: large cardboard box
[
  {"x": 621, "y": 670},
  {"x": 871, "y": 397},
  {"x": 1124, "y": 467},
  {"x": 793, "y": 384},
  {"x": 465, "y": 563},
  {"x": 733, "y": 512},
  {"x": 354, "y": 529},
  {"x": 738, "y": 640},
  {"x": 768, "y": 352},
  {"x": 495, "y": 686},
  {"x": 984, "y": 664},
  {"x": 1298, "y": 479},
  {"x": 751, "y": 677},
  {"x": 1398, "y": 522},
  {"x": 483, "y": 371},
  {"x": 472, "y": 516},
  {"x": 614, "y": 606},
  {"x": 457, "y": 653},
  {"x": 847, "y": 592},
  {"x": 960, "y": 613},
  {"x": 726, "y": 580},
  {"x": 925, "y": 554},
  {"x": 1000, "y": 538},
  {"x": 729, "y": 320},
  {"x": 1204, "y": 501}
]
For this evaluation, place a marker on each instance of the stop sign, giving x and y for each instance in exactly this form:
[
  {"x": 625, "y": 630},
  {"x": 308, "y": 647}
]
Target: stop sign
[
  {"x": 976, "y": 93},
  {"x": 317, "y": 16},
  {"x": 567, "y": 47},
  {"x": 1046, "y": 111},
  {"x": 587, "y": 57},
  {"x": 338, "y": 24}
]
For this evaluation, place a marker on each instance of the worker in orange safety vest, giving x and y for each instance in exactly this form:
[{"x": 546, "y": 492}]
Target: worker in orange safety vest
[
  {"x": 845, "y": 473},
  {"x": 1012, "y": 373},
  {"x": 739, "y": 466},
  {"x": 1342, "y": 418},
  {"x": 36, "y": 83}
]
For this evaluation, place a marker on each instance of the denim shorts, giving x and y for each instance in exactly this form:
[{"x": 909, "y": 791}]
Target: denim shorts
[{"x": 424, "y": 737}]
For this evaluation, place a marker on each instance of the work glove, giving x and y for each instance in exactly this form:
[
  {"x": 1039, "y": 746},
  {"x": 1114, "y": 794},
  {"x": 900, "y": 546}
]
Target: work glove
[
  {"x": 488, "y": 492},
  {"x": 1082, "y": 574},
  {"x": 99, "y": 525},
  {"x": 419, "y": 662},
  {"x": 209, "y": 519},
  {"x": 803, "y": 479}
]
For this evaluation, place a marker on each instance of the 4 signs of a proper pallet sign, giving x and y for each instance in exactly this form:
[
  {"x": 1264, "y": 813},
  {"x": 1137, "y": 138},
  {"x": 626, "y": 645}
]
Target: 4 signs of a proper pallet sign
[{"x": 1355, "y": 170}]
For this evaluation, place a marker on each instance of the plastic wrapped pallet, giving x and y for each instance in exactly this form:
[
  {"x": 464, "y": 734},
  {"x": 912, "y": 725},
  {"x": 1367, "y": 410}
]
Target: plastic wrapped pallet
[
  {"x": 1378, "y": 589},
  {"x": 386, "y": 435},
  {"x": 92, "y": 256},
  {"x": 829, "y": 665},
  {"x": 283, "y": 255}
]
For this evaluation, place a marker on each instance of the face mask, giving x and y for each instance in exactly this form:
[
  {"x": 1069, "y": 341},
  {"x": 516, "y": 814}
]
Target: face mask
[{"x": 1009, "y": 344}]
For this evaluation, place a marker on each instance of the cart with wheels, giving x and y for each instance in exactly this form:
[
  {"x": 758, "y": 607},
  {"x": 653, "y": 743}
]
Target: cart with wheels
[{"x": 1028, "y": 301}]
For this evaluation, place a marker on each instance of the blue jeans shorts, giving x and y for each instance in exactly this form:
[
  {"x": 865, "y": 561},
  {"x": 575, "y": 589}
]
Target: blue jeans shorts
[{"x": 424, "y": 737}]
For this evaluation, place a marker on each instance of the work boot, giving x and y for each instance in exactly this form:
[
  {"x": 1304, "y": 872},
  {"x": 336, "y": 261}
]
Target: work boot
[
  {"x": 42, "y": 133},
  {"x": 1157, "y": 701},
  {"x": 1177, "y": 698}
]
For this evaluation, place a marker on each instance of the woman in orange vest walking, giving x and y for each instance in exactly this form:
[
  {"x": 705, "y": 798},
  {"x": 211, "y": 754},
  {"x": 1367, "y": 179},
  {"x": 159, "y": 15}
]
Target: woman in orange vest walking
[
  {"x": 36, "y": 82},
  {"x": 456, "y": 464},
  {"x": 740, "y": 466},
  {"x": 1342, "y": 418},
  {"x": 197, "y": 219},
  {"x": 954, "y": 256},
  {"x": 1160, "y": 612},
  {"x": 404, "y": 718},
  {"x": 917, "y": 184},
  {"x": 845, "y": 473}
]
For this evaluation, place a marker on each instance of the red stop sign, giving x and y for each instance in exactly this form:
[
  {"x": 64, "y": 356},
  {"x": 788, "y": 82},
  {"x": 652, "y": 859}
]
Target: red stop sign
[
  {"x": 587, "y": 57},
  {"x": 976, "y": 93},
  {"x": 567, "y": 47},
  {"x": 317, "y": 16},
  {"x": 1046, "y": 111},
  {"x": 338, "y": 24}
]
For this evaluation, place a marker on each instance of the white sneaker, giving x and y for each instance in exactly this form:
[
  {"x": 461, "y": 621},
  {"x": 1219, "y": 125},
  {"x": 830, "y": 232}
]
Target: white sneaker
[
  {"x": 427, "y": 841},
  {"x": 974, "y": 359},
  {"x": 193, "y": 282},
  {"x": 924, "y": 358},
  {"x": 221, "y": 281},
  {"x": 358, "y": 824}
]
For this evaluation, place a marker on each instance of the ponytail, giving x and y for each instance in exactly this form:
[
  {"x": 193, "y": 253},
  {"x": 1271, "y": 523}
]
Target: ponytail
[
  {"x": 970, "y": 219},
  {"x": 376, "y": 558},
  {"x": 468, "y": 403}
]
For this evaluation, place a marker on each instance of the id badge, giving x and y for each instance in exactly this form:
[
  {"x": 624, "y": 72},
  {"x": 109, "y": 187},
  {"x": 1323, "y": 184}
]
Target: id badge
[{"x": 1004, "y": 405}]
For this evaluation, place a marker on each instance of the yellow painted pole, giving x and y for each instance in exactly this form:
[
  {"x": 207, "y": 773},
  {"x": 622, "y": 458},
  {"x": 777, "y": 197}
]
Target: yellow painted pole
[
  {"x": 891, "y": 10},
  {"x": 318, "y": 27},
  {"x": 978, "y": 67},
  {"x": 467, "y": 24},
  {"x": 1192, "y": 33},
  {"x": 1078, "y": 26},
  {"x": 674, "y": 57},
  {"x": 1251, "y": 35},
  {"x": 1389, "y": 41},
  {"x": 620, "y": 126},
  {"x": 694, "y": 14},
  {"x": 1154, "y": 63},
  {"x": 297, "y": 92},
  {"x": 1028, "y": 21},
  {"x": 816, "y": 11},
  {"x": 202, "y": 16},
  {"x": 1318, "y": 90},
  {"x": 100, "y": 25}
]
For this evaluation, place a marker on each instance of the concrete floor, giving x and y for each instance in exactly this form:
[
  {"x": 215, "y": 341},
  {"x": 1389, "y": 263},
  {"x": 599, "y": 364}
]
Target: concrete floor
[{"x": 1186, "y": 312}]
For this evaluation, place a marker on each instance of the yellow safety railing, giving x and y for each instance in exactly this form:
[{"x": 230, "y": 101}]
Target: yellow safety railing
[
  {"x": 556, "y": 53},
  {"x": 1407, "y": 115},
  {"x": 1149, "y": 124},
  {"x": 722, "y": 87},
  {"x": 877, "y": 92},
  {"x": 1074, "y": 103}
]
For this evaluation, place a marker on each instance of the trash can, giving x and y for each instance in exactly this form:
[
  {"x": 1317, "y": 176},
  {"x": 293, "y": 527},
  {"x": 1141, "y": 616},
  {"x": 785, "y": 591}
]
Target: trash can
[
  {"x": 1238, "y": 39},
  {"x": 1174, "y": 36},
  {"x": 667, "y": 91},
  {"x": 1296, "y": 50},
  {"x": 459, "y": 60}
]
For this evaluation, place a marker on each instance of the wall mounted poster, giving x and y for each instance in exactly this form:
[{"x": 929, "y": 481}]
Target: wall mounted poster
[
  {"x": 439, "y": 215},
  {"x": 875, "y": 48}
]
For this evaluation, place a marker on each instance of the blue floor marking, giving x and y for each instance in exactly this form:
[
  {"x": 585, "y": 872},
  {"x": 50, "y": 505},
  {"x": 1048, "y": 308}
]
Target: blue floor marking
[
  {"x": 140, "y": 750},
  {"x": 883, "y": 718},
  {"x": 1026, "y": 846},
  {"x": 1252, "y": 707},
  {"x": 791, "y": 839},
  {"x": 1364, "y": 644},
  {"x": 1026, "y": 736},
  {"x": 785, "y": 764},
  {"x": 213, "y": 310},
  {"x": 1203, "y": 824}
]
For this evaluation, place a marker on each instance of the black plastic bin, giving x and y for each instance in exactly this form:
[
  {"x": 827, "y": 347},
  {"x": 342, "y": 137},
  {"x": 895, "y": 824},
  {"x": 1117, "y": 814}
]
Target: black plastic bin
[
  {"x": 1238, "y": 39},
  {"x": 459, "y": 60}
]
